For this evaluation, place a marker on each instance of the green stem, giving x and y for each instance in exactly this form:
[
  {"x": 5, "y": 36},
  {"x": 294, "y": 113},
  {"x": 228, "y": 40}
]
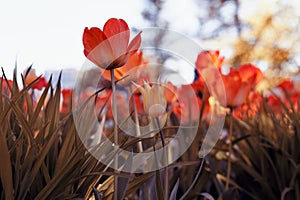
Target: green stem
[{"x": 114, "y": 107}]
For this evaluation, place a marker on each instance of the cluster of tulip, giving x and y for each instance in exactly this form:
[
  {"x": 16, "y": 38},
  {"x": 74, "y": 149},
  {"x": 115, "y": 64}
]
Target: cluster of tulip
[
  {"x": 126, "y": 90},
  {"x": 121, "y": 62},
  {"x": 105, "y": 50}
]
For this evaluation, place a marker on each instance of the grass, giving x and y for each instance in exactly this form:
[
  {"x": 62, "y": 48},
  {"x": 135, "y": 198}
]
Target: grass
[{"x": 42, "y": 157}]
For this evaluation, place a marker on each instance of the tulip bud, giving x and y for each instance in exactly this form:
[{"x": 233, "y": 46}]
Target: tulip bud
[{"x": 153, "y": 99}]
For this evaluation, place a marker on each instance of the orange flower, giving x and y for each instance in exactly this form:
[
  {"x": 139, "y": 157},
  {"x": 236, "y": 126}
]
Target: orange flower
[
  {"x": 30, "y": 76},
  {"x": 67, "y": 100},
  {"x": 236, "y": 89},
  {"x": 129, "y": 69},
  {"x": 103, "y": 103},
  {"x": 285, "y": 93},
  {"x": 209, "y": 59},
  {"x": 138, "y": 103},
  {"x": 170, "y": 91},
  {"x": 249, "y": 71},
  {"x": 110, "y": 48},
  {"x": 250, "y": 108},
  {"x": 186, "y": 111},
  {"x": 286, "y": 85},
  {"x": 185, "y": 103},
  {"x": 205, "y": 62},
  {"x": 239, "y": 82},
  {"x": 5, "y": 86}
]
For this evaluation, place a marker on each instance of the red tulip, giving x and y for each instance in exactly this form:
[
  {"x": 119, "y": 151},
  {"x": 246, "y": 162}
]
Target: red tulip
[
  {"x": 250, "y": 108},
  {"x": 110, "y": 48},
  {"x": 170, "y": 92},
  {"x": 186, "y": 104},
  {"x": 239, "y": 83},
  {"x": 285, "y": 94},
  {"x": 67, "y": 100},
  {"x": 186, "y": 111},
  {"x": 31, "y": 76},
  {"x": 286, "y": 85},
  {"x": 209, "y": 59},
  {"x": 249, "y": 71},
  {"x": 208, "y": 63},
  {"x": 138, "y": 103},
  {"x": 5, "y": 86},
  {"x": 104, "y": 103}
]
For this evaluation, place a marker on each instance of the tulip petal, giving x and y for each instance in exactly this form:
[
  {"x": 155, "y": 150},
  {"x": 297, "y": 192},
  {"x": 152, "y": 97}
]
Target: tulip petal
[
  {"x": 115, "y": 26},
  {"x": 101, "y": 55},
  {"x": 209, "y": 59},
  {"x": 118, "y": 33},
  {"x": 134, "y": 44},
  {"x": 241, "y": 95},
  {"x": 248, "y": 70},
  {"x": 286, "y": 85},
  {"x": 97, "y": 47},
  {"x": 91, "y": 38}
]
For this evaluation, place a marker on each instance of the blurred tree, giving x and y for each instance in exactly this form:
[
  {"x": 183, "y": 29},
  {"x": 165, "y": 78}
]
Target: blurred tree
[
  {"x": 152, "y": 13},
  {"x": 265, "y": 33}
]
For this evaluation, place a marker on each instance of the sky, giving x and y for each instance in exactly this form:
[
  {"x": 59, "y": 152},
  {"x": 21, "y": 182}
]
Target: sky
[{"x": 48, "y": 34}]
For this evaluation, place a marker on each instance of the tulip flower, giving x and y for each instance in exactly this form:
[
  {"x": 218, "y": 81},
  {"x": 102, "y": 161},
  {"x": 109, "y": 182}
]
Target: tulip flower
[
  {"x": 239, "y": 83},
  {"x": 170, "y": 92},
  {"x": 185, "y": 108},
  {"x": 249, "y": 71},
  {"x": 286, "y": 85},
  {"x": 154, "y": 100},
  {"x": 67, "y": 100},
  {"x": 31, "y": 76},
  {"x": 209, "y": 59},
  {"x": 110, "y": 48},
  {"x": 5, "y": 87},
  {"x": 236, "y": 89},
  {"x": 250, "y": 108},
  {"x": 284, "y": 93},
  {"x": 138, "y": 103},
  {"x": 205, "y": 64}
]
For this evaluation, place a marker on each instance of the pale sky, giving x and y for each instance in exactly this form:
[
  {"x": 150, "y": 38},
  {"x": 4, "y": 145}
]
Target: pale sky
[{"x": 49, "y": 33}]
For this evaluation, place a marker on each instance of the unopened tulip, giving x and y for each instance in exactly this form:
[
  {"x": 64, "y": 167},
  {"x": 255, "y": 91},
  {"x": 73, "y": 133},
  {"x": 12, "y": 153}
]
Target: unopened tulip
[{"x": 153, "y": 99}]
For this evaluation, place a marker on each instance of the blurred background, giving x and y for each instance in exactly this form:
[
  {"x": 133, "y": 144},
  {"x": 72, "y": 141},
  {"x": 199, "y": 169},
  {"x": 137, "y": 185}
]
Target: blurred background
[{"x": 48, "y": 34}]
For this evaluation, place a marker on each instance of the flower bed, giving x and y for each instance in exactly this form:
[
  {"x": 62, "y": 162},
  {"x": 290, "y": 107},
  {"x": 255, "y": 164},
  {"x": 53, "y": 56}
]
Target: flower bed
[{"x": 44, "y": 155}]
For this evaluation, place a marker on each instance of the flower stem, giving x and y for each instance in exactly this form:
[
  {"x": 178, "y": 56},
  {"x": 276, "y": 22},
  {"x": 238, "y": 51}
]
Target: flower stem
[
  {"x": 166, "y": 173},
  {"x": 229, "y": 151},
  {"x": 114, "y": 107},
  {"x": 160, "y": 132},
  {"x": 136, "y": 120}
]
